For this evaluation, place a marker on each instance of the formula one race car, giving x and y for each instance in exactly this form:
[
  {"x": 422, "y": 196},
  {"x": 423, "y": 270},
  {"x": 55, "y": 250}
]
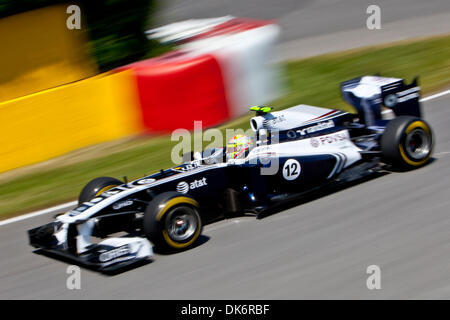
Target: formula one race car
[{"x": 291, "y": 153}]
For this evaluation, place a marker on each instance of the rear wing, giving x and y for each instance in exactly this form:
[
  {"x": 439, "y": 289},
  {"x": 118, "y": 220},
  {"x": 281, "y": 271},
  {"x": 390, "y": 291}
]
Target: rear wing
[
  {"x": 402, "y": 98},
  {"x": 367, "y": 94}
]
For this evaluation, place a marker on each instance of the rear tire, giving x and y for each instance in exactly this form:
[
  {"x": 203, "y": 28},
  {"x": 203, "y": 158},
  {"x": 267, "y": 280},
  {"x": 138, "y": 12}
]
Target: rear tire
[
  {"x": 172, "y": 221},
  {"x": 96, "y": 187},
  {"x": 407, "y": 143}
]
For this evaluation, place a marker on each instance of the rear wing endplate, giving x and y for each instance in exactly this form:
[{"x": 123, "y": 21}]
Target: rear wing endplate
[{"x": 367, "y": 94}]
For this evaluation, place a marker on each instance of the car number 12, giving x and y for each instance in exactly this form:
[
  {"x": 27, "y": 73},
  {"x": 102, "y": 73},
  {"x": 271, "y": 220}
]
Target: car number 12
[{"x": 291, "y": 169}]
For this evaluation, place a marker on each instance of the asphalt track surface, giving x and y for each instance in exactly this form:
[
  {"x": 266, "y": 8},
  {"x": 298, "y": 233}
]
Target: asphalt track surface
[{"x": 318, "y": 249}]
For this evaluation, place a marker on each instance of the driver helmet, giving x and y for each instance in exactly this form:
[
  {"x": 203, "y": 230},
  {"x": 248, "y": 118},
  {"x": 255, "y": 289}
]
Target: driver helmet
[{"x": 238, "y": 147}]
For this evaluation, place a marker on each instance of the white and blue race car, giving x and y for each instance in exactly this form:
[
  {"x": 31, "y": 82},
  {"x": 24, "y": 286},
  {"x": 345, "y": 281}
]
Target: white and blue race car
[{"x": 295, "y": 151}]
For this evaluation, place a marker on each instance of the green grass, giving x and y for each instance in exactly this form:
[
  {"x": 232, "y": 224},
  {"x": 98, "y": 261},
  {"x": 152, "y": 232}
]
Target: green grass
[{"x": 312, "y": 81}]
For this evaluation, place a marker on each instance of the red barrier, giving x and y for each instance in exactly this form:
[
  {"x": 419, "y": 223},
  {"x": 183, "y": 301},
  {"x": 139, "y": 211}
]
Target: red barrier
[
  {"x": 177, "y": 89},
  {"x": 235, "y": 25},
  {"x": 218, "y": 72}
]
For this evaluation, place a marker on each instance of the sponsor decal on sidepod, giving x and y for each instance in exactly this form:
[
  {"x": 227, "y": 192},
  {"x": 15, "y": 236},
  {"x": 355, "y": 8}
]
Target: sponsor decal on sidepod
[
  {"x": 318, "y": 127},
  {"x": 184, "y": 187},
  {"x": 122, "y": 204},
  {"x": 328, "y": 139}
]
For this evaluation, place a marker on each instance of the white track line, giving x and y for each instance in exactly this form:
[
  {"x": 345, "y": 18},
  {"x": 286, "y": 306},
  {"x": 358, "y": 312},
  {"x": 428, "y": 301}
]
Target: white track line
[
  {"x": 70, "y": 204},
  {"x": 434, "y": 96},
  {"x": 40, "y": 212}
]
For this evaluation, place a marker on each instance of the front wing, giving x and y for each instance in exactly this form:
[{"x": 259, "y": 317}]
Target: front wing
[{"x": 108, "y": 255}]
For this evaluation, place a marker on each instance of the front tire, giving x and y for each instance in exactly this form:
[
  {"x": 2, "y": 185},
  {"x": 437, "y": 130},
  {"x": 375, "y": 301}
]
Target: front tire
[
  {"x": 108, "y": 225},
  {"x": 407, "y": 143},
  {"x": 96, "y": 187},
  {"x": 172, "y": 221}
]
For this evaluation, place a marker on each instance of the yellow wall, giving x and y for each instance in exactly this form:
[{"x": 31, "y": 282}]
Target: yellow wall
[
  {"x": 38, "y": 52},
  {"x": 50, "y": 123}
]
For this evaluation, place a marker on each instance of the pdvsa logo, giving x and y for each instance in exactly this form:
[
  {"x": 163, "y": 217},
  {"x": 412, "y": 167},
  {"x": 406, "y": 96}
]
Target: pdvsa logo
[
  {"x": 184, "y": 187},
  {"x": 329, "y": 139},
  {"x": 333, "y": 138}
]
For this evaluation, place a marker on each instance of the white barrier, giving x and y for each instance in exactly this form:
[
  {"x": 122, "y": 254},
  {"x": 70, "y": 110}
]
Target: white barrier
[{"x": 244, "y": 49}]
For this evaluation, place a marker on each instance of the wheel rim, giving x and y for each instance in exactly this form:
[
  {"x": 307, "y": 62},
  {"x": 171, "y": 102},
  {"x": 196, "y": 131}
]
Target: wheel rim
[
  {"x": 417, "y": 144},
  {"x": 181, "y": 223}
]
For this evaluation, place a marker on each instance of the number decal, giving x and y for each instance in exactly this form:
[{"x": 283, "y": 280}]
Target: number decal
[{"x": 291, "y": 169}]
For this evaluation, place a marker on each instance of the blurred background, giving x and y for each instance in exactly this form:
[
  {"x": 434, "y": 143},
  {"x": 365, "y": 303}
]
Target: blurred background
[
  {"x": 91, "y": 88},
  {"x": 95, "y": 88}
]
